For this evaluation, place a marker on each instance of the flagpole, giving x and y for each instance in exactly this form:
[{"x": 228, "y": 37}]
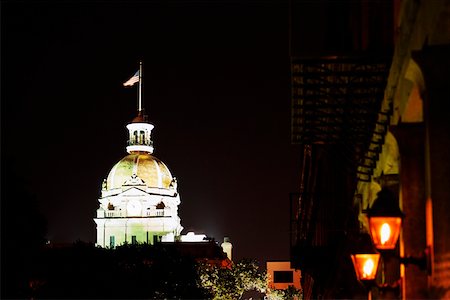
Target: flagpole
[{"x": 140, "y": 87}]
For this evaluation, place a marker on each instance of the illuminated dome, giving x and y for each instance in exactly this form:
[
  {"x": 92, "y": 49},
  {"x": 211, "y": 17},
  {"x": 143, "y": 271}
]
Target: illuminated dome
[
  {"x": 145, "y": 166},
  {"x": 139, "y": 199}
]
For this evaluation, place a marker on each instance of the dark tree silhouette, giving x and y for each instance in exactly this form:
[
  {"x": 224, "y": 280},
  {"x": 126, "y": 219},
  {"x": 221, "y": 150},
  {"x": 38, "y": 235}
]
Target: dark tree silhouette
[
  {"x": 23, "y": 230},
  {"x": 141, "y": 271}
]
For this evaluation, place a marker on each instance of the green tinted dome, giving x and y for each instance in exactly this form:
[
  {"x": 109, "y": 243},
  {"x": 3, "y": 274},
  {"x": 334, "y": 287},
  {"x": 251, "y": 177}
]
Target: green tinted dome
[{"x": 150, "y": 169}]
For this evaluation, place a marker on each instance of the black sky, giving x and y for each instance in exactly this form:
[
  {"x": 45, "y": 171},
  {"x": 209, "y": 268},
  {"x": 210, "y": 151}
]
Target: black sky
[{"x": 216, "y": 87}]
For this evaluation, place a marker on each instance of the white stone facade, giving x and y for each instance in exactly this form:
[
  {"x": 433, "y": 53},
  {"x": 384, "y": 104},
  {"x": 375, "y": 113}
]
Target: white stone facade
[
  {"x": 139, "y": 199},
  {"x": 137, "y": 214}
]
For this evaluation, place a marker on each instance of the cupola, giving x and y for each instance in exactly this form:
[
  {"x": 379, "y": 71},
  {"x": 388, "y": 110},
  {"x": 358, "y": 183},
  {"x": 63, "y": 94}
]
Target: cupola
[{"x": 140, "y": 131}]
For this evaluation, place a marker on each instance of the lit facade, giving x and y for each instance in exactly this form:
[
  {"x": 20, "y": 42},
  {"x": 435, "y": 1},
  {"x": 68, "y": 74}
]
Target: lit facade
[{"x": 139, "y": 198}]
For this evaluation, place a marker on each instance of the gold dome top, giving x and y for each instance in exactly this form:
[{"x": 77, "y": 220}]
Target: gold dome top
[{"x": 150, "y": 169}]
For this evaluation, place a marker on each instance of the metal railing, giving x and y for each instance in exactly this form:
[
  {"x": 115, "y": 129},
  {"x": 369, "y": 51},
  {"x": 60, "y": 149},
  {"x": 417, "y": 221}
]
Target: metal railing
[
  {"x": 148, "y": 213},
  {"x": 139, "y": 143}
]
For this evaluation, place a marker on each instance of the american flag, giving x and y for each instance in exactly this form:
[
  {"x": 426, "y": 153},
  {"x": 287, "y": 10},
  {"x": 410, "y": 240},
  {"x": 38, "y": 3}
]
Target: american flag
[{"x": 132, "y": 80}]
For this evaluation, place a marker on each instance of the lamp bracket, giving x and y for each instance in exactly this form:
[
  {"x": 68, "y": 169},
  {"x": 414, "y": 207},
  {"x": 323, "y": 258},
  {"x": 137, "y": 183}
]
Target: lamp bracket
[{"x": 423, "y": 261}]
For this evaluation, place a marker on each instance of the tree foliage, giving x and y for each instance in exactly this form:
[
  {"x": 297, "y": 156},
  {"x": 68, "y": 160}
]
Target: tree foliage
[
  {"x": 231, "y": 282},
  {"x": 291, "y": 293}
]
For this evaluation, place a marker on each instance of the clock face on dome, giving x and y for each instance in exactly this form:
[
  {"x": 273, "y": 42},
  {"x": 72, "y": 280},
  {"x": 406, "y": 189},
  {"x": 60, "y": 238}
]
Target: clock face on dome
[{"x": 134, "y": 208}]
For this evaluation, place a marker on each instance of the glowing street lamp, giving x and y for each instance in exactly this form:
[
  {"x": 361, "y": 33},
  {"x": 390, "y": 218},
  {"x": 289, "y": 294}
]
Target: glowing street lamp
[
  {"x": 365, "y": 260},
  {"x": 385, "y": 220},
  {"x": 385, "y": 223},
  {"x": 366, "y": 266},
  {"x": 385, "y": 231}
]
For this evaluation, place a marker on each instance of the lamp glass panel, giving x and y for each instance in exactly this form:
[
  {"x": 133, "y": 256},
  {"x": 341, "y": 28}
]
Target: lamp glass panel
[
  {"x": 366, "y": 265},
  {"x": 385, "y": 231}
]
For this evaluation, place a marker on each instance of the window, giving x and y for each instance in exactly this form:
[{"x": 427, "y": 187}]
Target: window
[
  {"x": 142, "y": 137},
  {"x": 112, "y": 241},
  {"x": 283, "y": 277},
  {"x": 133, "y": 240}
]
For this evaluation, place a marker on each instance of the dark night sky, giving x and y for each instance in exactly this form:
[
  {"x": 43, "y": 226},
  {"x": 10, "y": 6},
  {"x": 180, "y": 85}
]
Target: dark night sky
[{"x": 216, "y": 87}]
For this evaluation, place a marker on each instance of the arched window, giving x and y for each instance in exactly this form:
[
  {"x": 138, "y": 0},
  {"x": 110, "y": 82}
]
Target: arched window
[{"x": 142, "y": 137}]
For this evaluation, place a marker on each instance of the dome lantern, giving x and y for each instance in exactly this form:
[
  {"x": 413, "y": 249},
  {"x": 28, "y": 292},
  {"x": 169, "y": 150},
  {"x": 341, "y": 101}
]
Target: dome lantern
[{"x": 140, "y": 131}]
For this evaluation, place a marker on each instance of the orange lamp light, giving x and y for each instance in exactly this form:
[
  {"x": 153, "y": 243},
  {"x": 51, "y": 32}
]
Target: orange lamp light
[
  {"x": 385, "y": 231},
  {"x": 385, "y": 220},
  {"x": 365, "y": 259},
  {"x": 366, "y": 265}
]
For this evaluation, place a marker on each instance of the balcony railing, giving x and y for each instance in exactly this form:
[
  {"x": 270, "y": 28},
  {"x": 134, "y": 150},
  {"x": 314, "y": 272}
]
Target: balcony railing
[
  {"x": 149, "y": 213},
  {"x": 114, "y": 214},
  {"x": 139, "y": 143},
  {"x": 158, "y": 213},
  {"x": 122, "y": 214}
]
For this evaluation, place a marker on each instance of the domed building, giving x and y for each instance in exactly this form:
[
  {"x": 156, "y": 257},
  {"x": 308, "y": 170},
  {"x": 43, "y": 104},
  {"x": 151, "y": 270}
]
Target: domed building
[{"x": 139, "y": 199}]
